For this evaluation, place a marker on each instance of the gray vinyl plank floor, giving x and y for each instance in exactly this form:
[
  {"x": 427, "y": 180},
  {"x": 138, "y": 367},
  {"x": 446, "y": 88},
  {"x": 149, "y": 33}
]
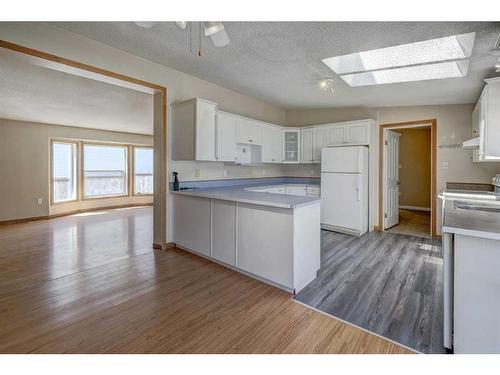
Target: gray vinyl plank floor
[{"x": 390, "y": 284}]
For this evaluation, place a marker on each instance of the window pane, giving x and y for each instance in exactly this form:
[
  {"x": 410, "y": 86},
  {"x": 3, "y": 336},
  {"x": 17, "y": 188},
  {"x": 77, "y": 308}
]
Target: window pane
[
  {"x": 63, "y": 171},
  {"x": 105, "y": 170},
  {"x": 143, "y": 170}
]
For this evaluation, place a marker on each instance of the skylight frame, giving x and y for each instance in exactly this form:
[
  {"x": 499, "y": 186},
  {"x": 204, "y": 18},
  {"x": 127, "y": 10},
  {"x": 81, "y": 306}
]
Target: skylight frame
[
  {"x": 449, "y": 48},
  {"x": 413, "y": 73}
]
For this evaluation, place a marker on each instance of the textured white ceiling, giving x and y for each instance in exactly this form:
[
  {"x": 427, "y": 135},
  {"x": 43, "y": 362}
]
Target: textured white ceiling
[
  {"x": 34, "y": 93},
  {"x": 279, "y": 62}
]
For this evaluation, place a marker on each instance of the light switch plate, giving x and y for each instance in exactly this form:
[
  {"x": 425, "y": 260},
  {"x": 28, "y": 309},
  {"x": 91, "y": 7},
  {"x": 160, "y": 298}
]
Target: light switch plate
[
  {"x": 39, "y": 201},
  {"x": 445, "y": 165},
  {"x": 197, "y": 173}
]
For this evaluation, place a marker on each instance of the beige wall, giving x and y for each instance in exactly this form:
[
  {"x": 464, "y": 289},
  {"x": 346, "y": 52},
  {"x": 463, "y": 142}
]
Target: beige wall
[
  {"x": 453, "y": 126},
  {"x": 25, "y": 172},
  {"x": 180, "y": 86},
  {"x": 415, "y": 167}
]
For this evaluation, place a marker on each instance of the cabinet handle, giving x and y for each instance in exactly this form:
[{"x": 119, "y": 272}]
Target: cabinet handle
[{"x": 250, "y": 140}]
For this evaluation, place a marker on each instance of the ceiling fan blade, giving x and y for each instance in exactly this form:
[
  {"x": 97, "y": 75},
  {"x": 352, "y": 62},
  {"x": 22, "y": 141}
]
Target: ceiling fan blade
[{"x": 145, "y": 24}]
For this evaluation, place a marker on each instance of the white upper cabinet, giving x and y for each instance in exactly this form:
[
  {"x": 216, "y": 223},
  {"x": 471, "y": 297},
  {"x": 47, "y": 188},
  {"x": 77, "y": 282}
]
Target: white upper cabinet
[
  {"x": 353, "y": 133},
  {"x": 249, "y": 131},
  {"x": 335, "y": 135},
  {"x": 306, "y": 145},
  {"x": 489, "y": 120},
  {"x": 319, "y": 142},
  {"x": 291, "y": 146},
  {"x": 226, "y": 137},
  {"x": 194, "y": 130},
  {"x": 357, "y": 133},
  {"x": 272, "y": 144}
]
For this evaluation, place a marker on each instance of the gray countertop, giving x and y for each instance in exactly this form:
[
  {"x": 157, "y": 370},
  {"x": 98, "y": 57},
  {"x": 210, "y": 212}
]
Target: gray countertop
[
  {"x": 480, "y": 220},
  {"x": 239, "y": 194}
]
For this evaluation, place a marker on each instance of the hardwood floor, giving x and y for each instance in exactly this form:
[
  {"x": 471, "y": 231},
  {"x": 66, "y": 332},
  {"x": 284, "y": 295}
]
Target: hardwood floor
[
  {"x": 389, "y": 284},
  {"x": 413, "y": 223},
  {"x": 91, "y": 283}
]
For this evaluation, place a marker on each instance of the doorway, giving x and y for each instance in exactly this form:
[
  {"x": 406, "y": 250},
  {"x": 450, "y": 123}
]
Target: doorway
[
  {"x": 159, "y": 93},
  {"x": 408, "y": 199}
]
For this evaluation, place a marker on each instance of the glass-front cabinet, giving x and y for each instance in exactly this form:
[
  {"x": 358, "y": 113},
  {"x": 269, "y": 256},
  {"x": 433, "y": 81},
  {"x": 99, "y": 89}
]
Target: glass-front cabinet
[{"x": 291, "y": 146}]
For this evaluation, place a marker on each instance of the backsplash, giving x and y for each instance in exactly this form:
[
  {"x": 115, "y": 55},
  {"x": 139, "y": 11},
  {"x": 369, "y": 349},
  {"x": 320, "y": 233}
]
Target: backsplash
[{"x": 201, "y": 184}]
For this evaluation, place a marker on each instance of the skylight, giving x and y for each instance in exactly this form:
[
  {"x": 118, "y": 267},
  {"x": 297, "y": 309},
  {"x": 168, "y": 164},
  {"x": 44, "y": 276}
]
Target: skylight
[
  {"x": 406, "y": 62},
  {"x": 450, "y": 69}
]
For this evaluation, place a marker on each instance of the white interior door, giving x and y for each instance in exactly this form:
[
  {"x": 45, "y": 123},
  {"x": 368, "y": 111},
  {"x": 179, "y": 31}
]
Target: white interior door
[{"x": 391, "y": 174}]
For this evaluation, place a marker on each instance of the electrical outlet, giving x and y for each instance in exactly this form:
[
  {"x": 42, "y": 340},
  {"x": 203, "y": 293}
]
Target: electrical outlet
[
  {"x": 225, "y": 173},
  {"x": 39, "y": 201},
  {"x": 311, "y": 172},
  {"x": 445, "y": 165},
  {"x": 263, "y": 172},
  {"x": 197, "y": 173}
]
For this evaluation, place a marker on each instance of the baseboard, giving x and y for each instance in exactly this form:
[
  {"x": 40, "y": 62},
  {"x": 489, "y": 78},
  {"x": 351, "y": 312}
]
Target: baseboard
[
  {"x": 74, "y": 212},
  {"x": 415, "y": 208}
]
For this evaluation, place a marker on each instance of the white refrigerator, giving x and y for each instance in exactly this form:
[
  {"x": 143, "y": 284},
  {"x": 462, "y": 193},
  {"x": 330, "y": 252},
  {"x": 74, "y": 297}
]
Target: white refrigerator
[{"x": 344, "y": 189}]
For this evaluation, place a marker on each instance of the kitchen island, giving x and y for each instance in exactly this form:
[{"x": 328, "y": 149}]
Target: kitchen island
[
  {"x": 471, "y": 245},
  {"x": 272, "y": 237}
]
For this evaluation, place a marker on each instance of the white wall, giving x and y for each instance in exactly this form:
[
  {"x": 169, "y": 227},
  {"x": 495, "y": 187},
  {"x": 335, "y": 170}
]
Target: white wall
[{"x": 453, "y": 126}]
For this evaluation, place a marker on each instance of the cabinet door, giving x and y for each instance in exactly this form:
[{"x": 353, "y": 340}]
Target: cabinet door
[
  {"x": 271, "y": 144},
  {"x": 335, "y": 135},
  {"x": 224, "y": 231},
  {"x": 357, "y": 134},
  {"x": 475, "y": 120},
  {"x": 226, "y": 137},
  {"x": 192, "y": 223},
  {"x": 256, "y": 133},
  {"x": 319, "y": 142},
  {"x": 291, "y": 146},
  {"x": 490, "y": 118},
  {"x": 249, "y": 132},
  {"x": 306, "y": 146},
  {"x": 243, "y": 132},
  {"x": 265, "y": 240},
  {"x": 205, "y": 130}
]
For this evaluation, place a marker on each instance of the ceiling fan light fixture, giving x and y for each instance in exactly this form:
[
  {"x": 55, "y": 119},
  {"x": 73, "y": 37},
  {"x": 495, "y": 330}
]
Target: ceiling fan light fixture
[
  {"x": 212, "y": 28},
  {"x": 220, "y": 39},
  {"x": 181, "y": 24},
  {"x": 145, "y": 24}
]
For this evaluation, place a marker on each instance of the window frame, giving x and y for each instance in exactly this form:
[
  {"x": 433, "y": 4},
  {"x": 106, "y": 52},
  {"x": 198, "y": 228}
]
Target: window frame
[
  {"x": 127, "y": 169},
  {"x": 132, "y": 158},
  {"x": 76, "y": 166}
]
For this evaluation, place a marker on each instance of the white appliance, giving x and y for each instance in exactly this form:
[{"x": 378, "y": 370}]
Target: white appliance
[{"x": 344, "y": 189}]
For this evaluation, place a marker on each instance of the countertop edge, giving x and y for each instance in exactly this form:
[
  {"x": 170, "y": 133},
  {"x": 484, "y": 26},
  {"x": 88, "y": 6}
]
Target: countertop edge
[
  {"x": 209, "y": 195},
  {"x": 471, "y": 233}
]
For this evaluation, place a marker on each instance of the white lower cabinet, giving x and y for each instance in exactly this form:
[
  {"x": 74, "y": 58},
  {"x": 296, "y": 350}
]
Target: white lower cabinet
[
  {"x": 224, "y": 231},
  {"x": 265, "y": 237},
  {"x": 192, "y": 223},
  {"x": 280, "y": 246}
]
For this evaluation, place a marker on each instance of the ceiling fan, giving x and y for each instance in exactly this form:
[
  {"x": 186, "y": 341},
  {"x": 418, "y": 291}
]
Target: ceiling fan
[{"x": 215, "y": 30}]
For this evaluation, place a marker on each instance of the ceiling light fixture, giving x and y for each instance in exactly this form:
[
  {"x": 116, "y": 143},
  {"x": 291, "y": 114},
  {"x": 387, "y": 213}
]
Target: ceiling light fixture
[
  {"x": 326, "y": 84},
  {"x": 212, "y": 28},
  {"x": 429, "y": 51},
  {"x": 181, "y": 24}
]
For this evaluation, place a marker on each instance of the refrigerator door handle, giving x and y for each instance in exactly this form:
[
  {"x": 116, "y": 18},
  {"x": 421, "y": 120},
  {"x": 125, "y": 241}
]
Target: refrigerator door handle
[{"x": 358, "y": 188}]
